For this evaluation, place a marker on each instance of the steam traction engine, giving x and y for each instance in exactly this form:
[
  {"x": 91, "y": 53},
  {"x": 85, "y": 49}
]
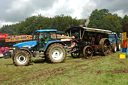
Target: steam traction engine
[{"x": 89, "y": 40}]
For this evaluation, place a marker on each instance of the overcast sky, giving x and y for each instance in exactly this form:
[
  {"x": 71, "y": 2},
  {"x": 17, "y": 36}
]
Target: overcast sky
[{"x": 13, "y": 11}]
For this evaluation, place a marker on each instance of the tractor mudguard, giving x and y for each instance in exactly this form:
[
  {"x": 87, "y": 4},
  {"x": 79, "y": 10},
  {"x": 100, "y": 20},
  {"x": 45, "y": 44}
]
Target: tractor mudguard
[
  {"x": 26, "y": 49},
  {"x": 51, "y": 42}
]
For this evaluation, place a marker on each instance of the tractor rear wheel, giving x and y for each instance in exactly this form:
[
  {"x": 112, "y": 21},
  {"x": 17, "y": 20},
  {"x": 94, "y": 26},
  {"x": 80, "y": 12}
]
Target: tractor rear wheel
[
  {"x": 105, "y": 46},
  {"x": 21, "y": 58},
  {"x": 56, "y": 53},
  {"x": 76, "y": 52},
  {"x": 88, "y": 52}
]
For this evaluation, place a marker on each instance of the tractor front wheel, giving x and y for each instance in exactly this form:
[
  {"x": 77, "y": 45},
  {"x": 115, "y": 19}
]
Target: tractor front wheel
[
  {"x": 21, "y": 58},
  {"x": 118, "y": 45},
  {"x": 87, "y": 52},
  {"x": 76, "y": 53},
  {"x": 56, "y": 53},
  {"x": 114, "y": 48}
]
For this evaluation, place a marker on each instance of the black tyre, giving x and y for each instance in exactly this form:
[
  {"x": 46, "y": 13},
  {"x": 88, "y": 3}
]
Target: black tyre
[
  {"x": 76, "y": 53},
  {"x": 87, "y": 52},
  {"x": 56, "y": 53},
  {"x": 114, "y": 48},
  {"x": 118, "y": 46},
  {"x": 105, "y": 47},
  {"x": 21, "y": 58}
]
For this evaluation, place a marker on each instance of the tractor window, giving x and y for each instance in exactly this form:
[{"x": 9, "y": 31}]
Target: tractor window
[
  {"x": 44, "y": 37},
  {"x": 35, "y": 36},
  {"x": 111, "y": 35},
  {"x": 53, "y": 35}
]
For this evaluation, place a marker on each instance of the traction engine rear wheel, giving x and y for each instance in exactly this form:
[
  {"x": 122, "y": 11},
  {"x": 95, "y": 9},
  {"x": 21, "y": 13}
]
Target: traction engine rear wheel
[{"x": 105, "y": 46}]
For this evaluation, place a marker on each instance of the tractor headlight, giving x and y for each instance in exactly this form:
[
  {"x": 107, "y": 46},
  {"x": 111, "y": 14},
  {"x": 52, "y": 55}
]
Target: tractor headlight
[{"x": 14, "y": 48}]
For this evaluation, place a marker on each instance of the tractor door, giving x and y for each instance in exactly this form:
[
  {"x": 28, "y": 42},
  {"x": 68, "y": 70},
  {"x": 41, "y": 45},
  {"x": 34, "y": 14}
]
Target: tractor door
[{"x": 43, "y": 39}]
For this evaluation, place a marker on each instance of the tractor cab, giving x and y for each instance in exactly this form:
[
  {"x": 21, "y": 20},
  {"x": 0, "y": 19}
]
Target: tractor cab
[{"x": 44, "y": 37}]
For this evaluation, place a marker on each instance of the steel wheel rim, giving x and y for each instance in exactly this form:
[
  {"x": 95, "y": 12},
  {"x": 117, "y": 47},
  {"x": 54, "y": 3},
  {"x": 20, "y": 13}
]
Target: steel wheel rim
[
  {"x": 57, "y": 53},
  {"x": 106, "y": 46},
  {"x": 88, "y": 52},
  {"x": 21, "y": 59}
]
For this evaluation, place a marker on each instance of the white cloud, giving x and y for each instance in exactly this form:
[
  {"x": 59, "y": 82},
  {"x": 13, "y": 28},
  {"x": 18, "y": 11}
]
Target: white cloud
[
  {"x": 77, "y": 6},
  {"x": 17, "y": 10},
  {"x": 120, "y": 13},
  {"x": 114, "y": 6},
  {"x": 20, "y": 9},
  {"x": 66, "y": 7},
  {"x": 2, "y": 23},
  {"x": 88, "y": 8},
  {"x": 57, "y": 9},
  {"x": 48, "y": 13}
]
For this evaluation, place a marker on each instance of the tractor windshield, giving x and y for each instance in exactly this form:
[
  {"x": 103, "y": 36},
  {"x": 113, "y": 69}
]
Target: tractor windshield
[
  {"x": 111, "y": 35},
  {"x": 43, "y": 38}
]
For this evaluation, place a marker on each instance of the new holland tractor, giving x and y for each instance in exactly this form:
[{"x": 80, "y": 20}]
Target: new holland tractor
[
  {"x": 115, "y": 41},
  {"x": 45, "y": 42}
]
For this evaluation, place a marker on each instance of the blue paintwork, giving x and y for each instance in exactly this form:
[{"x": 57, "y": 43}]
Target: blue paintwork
[
  {"x": 34, "y": 43},
  {"x": 49, "y": 42},
  {"x": 27, "y": 44},
  {"x": 113, "y": 38},
  {"x": 47, "y": 30},
  {"x": 112, "y": 41}
]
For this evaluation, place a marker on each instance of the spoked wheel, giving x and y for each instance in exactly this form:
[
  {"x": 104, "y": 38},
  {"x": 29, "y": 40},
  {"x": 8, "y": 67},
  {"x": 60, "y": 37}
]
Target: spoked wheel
[
  {"x": 88, "y": 52},
  {"x": 21, "y": 58},
  {"x": 56, "y": 53},
  {"x": 76, "y": 52},
  {"x": 105, "y": 47}
]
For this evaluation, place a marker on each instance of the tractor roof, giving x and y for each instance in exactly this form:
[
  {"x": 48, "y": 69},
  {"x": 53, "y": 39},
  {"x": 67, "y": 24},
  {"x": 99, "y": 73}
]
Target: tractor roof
[
  {"x": 74, "y": 29},
  {"x": 112, "y": 33},
  {"x": 47, "y": 30}
]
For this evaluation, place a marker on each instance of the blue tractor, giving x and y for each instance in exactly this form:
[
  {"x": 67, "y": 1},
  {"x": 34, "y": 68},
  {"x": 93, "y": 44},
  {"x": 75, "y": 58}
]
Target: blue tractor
[
  {"x": 115, "y": 41},
  {"x": 44, "y": 42}
]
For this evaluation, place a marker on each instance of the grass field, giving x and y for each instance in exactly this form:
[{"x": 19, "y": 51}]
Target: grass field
[{"x": 100, "y": 70}]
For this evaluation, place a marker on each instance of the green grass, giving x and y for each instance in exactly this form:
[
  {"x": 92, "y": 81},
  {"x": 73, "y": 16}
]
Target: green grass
[{"x": 100, "y": 70}]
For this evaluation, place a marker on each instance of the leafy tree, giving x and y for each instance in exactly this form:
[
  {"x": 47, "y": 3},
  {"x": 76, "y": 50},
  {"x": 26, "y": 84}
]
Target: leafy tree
[
  {"x": 96, "y": 18},
  {"x": 102, "y": 19},
  {"x": 113, "y": 23},
  {"x": 125, "y": 23}
]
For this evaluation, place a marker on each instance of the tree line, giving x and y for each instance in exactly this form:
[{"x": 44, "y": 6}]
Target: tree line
[{"x": 101, "y": 19}]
